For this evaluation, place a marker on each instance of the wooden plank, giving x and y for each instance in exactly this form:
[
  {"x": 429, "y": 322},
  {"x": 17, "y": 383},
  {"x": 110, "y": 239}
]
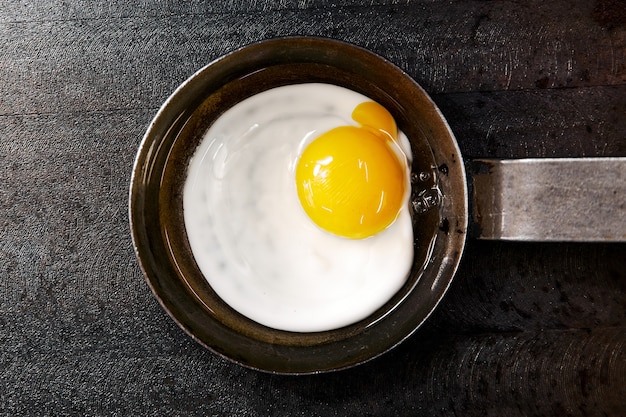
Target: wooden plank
[
  {"x": 538, "y": 123},
  {"x": 517, "y": 286},
  {"x": 135, "y": 62}
]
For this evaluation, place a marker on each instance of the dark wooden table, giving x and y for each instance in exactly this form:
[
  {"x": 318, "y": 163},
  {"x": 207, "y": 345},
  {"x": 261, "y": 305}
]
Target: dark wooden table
[{"x": 526, "y": 328}]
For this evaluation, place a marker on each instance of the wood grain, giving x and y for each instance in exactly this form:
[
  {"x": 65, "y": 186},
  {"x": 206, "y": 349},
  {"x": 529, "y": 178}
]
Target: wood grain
[
  {"x": 135, "y": 61},
  {"x": 526, "y": 329}
]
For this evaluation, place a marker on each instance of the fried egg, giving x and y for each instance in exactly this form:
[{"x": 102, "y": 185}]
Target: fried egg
[{"x": 296, "y": 207}]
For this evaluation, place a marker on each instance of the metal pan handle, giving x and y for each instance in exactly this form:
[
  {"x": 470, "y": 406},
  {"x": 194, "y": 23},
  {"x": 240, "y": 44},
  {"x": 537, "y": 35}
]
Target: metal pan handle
[{"x": 569, "y": 199}]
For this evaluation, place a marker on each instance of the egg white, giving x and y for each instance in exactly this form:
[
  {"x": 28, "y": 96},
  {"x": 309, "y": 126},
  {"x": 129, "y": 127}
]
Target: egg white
[{"x": 252, "y": 239}]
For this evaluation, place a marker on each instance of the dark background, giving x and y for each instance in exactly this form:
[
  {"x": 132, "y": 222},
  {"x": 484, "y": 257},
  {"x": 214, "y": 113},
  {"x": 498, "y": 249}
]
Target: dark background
[{"x": 526, "y": 328}]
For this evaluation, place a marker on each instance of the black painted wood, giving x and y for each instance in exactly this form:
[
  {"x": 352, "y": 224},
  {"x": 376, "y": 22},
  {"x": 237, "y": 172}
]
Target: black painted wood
[{"x": 526, "y": 329}]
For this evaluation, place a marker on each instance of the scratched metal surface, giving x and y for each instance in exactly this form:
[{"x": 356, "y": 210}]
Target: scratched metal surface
[{"x": 526, "y": 329}]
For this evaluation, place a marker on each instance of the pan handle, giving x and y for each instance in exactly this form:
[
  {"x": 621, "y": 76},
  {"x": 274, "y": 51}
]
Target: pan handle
[{"x": 568, "y": 199}]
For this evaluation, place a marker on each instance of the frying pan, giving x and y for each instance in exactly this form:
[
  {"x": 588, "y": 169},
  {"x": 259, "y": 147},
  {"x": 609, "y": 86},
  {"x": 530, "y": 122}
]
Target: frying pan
[{"x": 573, "y": 199}]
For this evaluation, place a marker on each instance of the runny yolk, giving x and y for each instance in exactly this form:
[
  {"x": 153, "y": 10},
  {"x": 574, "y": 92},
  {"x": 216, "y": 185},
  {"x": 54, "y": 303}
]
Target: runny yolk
[{"x": 350, "y": 180}]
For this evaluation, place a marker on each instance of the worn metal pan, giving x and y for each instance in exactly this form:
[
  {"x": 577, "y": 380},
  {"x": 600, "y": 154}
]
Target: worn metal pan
[{"x": 523, "y": 199}]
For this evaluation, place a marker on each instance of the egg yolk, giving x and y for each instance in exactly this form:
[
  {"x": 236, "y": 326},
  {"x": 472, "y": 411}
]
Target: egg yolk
[{"x": 351, "y": 180}]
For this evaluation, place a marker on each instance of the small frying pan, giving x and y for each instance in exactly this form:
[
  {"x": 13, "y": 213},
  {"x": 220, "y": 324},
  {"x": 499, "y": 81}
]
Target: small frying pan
[{"x": 503, "y": 191}]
